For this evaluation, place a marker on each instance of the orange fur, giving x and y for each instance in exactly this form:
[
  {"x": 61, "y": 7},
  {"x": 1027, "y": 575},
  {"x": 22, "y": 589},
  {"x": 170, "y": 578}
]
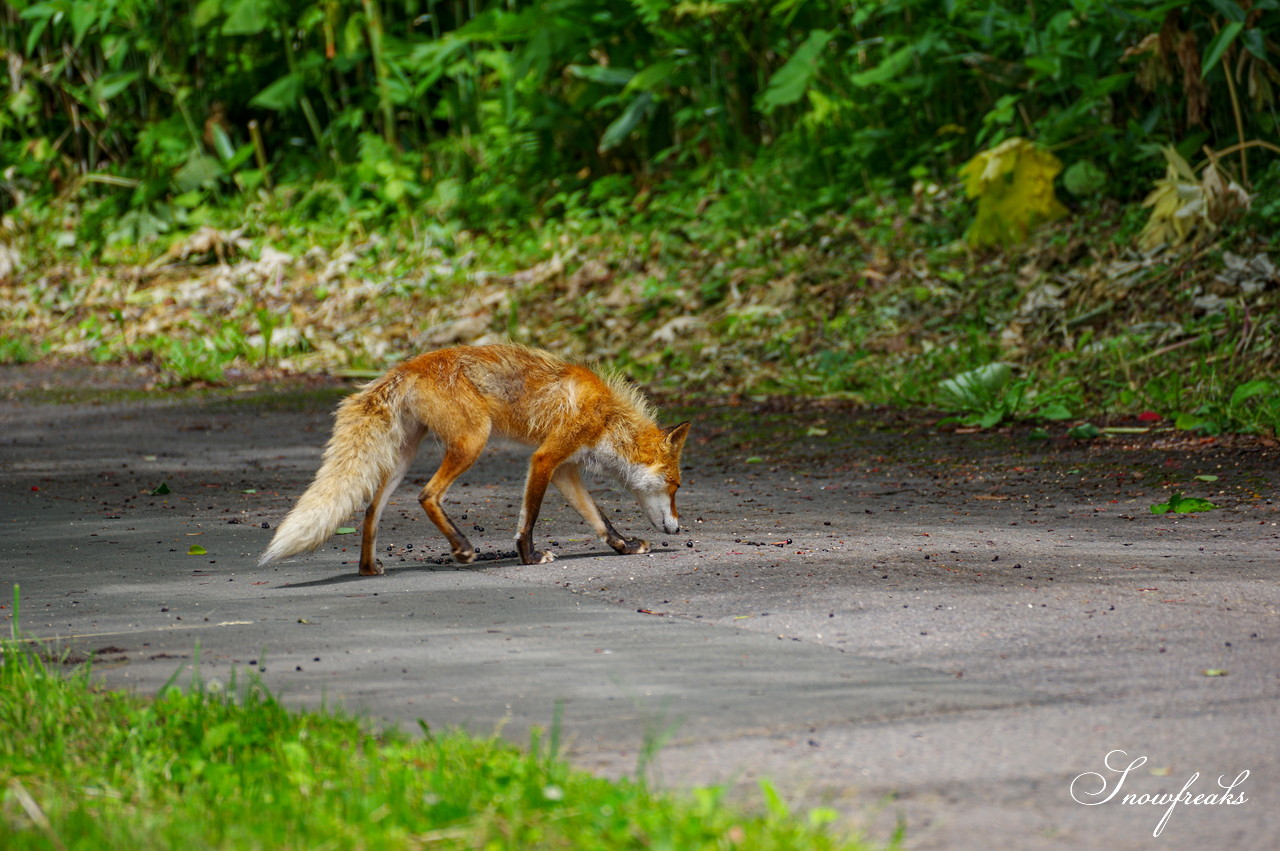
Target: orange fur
[{"x": 571, "y": 416}]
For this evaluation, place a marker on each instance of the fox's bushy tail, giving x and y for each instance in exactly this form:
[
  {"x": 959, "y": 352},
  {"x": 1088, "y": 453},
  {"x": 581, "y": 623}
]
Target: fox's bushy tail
[{"x": 366, "y": 446}]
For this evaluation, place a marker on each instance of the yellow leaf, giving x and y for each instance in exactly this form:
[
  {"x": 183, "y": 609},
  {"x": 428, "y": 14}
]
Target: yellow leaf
[
  {"x": 1013, "y": 184},
  {"x": 1183, "y": 207}
]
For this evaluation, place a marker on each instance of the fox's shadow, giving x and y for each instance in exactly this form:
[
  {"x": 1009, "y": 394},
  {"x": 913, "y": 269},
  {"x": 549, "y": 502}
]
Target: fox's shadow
[{"x": 437, "y": 564}]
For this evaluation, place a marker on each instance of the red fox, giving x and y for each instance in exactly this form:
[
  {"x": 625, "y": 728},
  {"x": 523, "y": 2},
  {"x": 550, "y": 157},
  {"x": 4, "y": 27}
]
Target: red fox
[{"x": 571, "y": 416}]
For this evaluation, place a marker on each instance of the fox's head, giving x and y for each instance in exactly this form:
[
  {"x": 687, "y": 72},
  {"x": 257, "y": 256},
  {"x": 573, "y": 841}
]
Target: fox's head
[{"x": 656, "y": 489}]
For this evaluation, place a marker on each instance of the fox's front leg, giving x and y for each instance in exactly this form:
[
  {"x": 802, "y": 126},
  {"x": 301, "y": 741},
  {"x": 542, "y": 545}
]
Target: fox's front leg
[{"x": 569, "y": 482}]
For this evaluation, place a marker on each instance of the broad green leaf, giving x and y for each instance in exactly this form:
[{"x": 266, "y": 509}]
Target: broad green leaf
[
  {"x": 200, "y": 170},
  {"x": 976, "y": 388},
  {"x": 1197, "y": 422},
  {"x": 991, "y": 417},
  {"x": 1084, "y": 178},
  {"x": 196, "y": 550},
  {"x": 1250, "y": 389},
  {"x": 1054, "y": 411},
  {"x": 281, "y": 95},
  {"x": 249, "y": 17},
  {"x": 345, "y": 530},
  {"x": 83, "y": 15},
  {"x": 617, "y": 132},
  {"x": 40, "y": 11},
  {"x": 1179, "y": 504},
  {"x": 206, "y": 12},
  {"x": 1229, "y": 9},
  {"x": 1084, "y": 431},
  {"x": 1193, "y": 504},
  {"x": 788, "y": 83},
  {"x": 1256, "y": 43}
]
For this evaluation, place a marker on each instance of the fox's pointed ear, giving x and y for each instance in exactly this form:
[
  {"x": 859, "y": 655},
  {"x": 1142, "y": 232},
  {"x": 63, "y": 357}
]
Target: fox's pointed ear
[{"x": 676, "y": 434}]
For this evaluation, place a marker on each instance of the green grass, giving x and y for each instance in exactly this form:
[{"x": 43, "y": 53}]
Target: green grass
[{"x": 204, "y": 767}]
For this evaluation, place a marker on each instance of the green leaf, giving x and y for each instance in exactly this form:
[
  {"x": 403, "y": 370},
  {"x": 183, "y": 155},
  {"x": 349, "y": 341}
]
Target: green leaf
[
  {"x": 1084, "y": 431},
  {"x": 283, "y": 94},
  {"x": 33, "y": 37},
  {"x": 649, "y": 78},
  {"x": 206, "y": 12},
  {"x": 1054, "y": 411},
  {"x": 200, "y": 170},
  {"x": 1218, "y": 45},
  {"x": 777, "y": 807},
  {"x": 604, "y": 74},
  {"x": 1179, "y": 504},
  {"x": 109, "y": 85},
  {"x": 249, "y": 17},
  {"x": 1084, "y": 178},
  {"x": 1197, "y": 422},
  {"x": 991, "y": 417},
  {"x": 221, "y": 142},
  {"x": 1192, "y": 505},
  {"x": 1206, "y": 478},
  {"x": 788, "y": 83},
  {"x": 345, "y": 530},
  {"x": 1250, "y": 389},
  {"x": 1229, "y": 9},
  {"x": 977, "y": 389},
  {"x": 160, "y": 489},
  {"x": 196, "y": 550},
  {"x": 1256, "y": 43},
  {"x": 83, "y": 15},
  {"x": 889, "y": 69},
  {"x": 617, "y": 132}
]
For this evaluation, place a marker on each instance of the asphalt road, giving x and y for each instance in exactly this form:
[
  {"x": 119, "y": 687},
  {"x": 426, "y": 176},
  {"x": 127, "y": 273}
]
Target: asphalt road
[{"x": 916, "y": 627}]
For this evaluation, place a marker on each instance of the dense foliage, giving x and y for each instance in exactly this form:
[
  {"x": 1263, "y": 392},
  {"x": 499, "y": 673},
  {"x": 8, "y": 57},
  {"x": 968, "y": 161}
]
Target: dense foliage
[{"x": 481, "y": 113}]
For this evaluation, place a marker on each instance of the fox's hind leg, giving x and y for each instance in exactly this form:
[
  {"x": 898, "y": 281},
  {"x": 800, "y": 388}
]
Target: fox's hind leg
[
  {"x": 369, "y": 564},
  {"x": 459, "y": 455},
  {"x": 569, "y": 482}
]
